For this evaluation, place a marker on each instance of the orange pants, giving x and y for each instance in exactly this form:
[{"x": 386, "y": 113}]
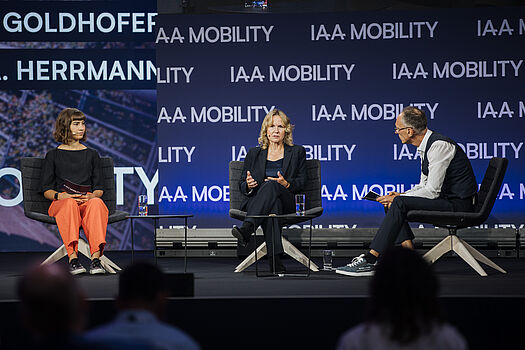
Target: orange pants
[{"x": 91, "y": 215}]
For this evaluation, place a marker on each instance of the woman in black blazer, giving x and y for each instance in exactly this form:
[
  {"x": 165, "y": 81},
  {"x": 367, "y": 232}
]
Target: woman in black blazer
[{"x": 272, "y": 174}]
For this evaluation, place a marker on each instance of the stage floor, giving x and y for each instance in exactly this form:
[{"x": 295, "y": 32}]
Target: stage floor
[{"x": 214, "y": 278}]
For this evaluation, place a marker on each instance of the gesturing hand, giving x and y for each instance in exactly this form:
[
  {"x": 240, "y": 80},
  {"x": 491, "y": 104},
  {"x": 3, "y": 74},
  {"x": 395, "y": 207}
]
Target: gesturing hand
[
  {"x": 280, "y": 179},
  {"x": 250, "y": 181}
]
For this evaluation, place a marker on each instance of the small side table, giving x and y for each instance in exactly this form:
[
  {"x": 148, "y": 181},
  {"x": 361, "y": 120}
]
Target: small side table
[
  {"x": 284, "y": 216},
  {"x": 155, "y": 219}
]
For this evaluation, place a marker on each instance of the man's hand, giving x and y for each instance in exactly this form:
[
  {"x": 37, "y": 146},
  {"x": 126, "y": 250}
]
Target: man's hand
[
  {"x": 387, "y": 200},
  {"x": 280, "y": 179},
  {"x": 250, "y": 181}
]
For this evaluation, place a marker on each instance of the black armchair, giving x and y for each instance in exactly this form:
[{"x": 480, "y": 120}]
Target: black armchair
[
  {"x": 454, "y": 221},
  {"x": 313, "y": 207},
  {"x": 36, "y": 205}
]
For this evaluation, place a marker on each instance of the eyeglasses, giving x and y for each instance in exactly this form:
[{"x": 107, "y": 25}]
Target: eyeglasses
[{"x": 397, "y": 130}]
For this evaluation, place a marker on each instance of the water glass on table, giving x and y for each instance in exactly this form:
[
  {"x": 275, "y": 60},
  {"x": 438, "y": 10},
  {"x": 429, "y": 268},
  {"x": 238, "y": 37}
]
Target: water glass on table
[
  {"x": 143, "y": 205},
  {"x": 300, "y": 208},
  {"x": 327, "y": 259}
]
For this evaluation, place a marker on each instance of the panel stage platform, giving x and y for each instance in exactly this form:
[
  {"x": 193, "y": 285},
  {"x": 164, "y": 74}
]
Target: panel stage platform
[{"x": 240, "y": 311}]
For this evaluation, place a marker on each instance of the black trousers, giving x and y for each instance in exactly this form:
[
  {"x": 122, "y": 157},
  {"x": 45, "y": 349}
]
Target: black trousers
[
  {"x": 395, "y": 229},
  {"x": 271, "y": 198}
]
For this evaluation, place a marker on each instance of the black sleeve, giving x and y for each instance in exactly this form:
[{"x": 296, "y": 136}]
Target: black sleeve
[
  {"x": 47, "y": 176},
  {"x": 97, "y": 178},
  {"x": 298, "y": 183},
  {"x": 248, "y": 165}
]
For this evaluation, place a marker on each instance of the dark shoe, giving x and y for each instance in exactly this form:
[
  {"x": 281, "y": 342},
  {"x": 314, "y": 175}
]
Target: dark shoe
[
  {"x": 279, "y": 267},
  {"x": 75, "y": 267},
  {"x": 242, "y": 234},
  {"x": 358, "y": 267},
  {"x": 96, "y": 267}
]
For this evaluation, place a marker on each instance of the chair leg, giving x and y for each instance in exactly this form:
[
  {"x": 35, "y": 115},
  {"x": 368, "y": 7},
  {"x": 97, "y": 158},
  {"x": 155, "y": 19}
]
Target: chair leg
[
  {"x": 295, "y": 253},
  {"x": 57, "y": 255},
  {"x": 83, "y": 248},
  {"x": 105, "y": 260},
  {"x": 480, "y": 257},
  {"x": 438, "y": 250},
  {"x": 261, "y": 251},
  {"x": 463, "y": 252},
  {"x": 106, "y": 265}
]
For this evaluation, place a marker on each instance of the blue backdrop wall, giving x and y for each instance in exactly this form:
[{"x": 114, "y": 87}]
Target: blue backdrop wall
[{"x": 342, "y": 78}]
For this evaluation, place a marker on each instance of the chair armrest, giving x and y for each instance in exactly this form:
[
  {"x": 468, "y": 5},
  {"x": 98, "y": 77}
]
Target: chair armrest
[{"x": 40, "y": 217}]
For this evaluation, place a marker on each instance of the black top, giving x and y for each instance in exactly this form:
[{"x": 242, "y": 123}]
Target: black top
[
  {"x": 293, "y": 169},
  {"x": 274, "y": 166},
  {"x": 460, "y": 181},
  {"x": 81, "y": 167}
]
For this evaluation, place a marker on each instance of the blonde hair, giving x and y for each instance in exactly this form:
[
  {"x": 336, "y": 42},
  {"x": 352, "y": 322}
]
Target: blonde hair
[
  {"x": 268, "y": 120},
  {"x": 62, "y": 132}
]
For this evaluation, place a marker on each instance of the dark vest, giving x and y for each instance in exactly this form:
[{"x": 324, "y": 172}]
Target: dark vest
[{"x": 459, "y": 181}]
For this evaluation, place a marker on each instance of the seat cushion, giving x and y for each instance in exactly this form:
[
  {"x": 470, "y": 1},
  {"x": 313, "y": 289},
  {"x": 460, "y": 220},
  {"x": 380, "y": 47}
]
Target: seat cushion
[
  {"x": 289, "y": 220},
  {"x": 445, "y": 218}
]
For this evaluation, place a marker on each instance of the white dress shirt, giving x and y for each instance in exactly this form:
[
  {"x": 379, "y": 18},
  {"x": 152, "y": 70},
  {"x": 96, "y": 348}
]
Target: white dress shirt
[{"x": 439, "y": 156}]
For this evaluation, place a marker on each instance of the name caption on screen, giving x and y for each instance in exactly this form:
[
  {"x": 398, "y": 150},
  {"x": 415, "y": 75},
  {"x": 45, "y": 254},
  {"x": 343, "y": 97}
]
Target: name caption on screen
[
  {"x": 499, "y": 28},
  {"x": 292, "y": 73},
  {"x": 215, "y": 114},
  {"x": 374, "y": 31},
  {"x": 106, "y": 70},
  {"x": 458, "y": 69},
  {"x": 213, "y": 34},
  {"x": 66, "y": 22}
]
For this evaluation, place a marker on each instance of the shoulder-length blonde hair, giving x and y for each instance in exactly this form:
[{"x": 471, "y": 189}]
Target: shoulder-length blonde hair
[
  {"x": 268, "y": 120},
  {"x": 62, "y": 132}
]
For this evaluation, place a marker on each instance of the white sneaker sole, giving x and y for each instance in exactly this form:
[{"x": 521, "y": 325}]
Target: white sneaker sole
[
  {"x": 97, "y": 272},
  {"x": 355, "y": 274},
  {"x": 78, "y": 272}
]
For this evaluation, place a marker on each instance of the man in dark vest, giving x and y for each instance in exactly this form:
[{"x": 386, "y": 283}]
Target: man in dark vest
[{"x": 447, "y": 184}]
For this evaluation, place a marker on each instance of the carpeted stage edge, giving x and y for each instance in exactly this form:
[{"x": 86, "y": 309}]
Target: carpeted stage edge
[{"x": 247, "y": 319}]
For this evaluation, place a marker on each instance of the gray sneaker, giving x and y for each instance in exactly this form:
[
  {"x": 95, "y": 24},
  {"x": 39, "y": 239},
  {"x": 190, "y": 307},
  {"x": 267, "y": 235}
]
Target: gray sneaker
[
  {"x": 96, "y": 267},
  {"x": 358, "y": 267},
  {"x": 75, "y": 267}
]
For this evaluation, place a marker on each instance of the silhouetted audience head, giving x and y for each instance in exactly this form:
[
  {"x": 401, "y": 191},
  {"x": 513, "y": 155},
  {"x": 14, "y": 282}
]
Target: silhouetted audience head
[
  {"x": 142, "y": 285},
  {"x": 52, "y": 304},
  {"x": 403, "y": 295}
]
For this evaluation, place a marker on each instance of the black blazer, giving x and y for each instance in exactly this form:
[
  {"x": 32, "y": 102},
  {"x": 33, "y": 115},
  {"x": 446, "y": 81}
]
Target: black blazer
[{"x": 294, "y": 169}]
